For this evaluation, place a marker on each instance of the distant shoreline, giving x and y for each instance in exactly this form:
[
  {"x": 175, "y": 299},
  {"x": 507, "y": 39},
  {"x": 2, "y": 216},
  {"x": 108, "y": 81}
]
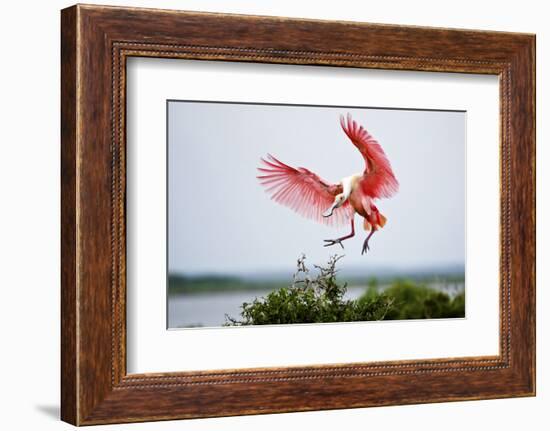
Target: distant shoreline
[{"x": 178, "y": 284}]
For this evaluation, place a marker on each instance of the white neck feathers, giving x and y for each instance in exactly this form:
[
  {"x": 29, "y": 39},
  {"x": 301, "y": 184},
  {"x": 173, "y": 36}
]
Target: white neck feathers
[{"x": 349, "y": 183}]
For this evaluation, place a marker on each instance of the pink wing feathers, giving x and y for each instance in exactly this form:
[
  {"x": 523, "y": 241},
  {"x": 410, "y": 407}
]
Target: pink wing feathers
[
  {"x": 302, "y": 191},
  {"x": 378, "y": 179}
]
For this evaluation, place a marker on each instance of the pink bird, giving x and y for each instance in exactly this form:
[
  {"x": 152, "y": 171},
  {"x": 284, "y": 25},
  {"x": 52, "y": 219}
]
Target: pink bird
[{"x": 336, "y": 204}]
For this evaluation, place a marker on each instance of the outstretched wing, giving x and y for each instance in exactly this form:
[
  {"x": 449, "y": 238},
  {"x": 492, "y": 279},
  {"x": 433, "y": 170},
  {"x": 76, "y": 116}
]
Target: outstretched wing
[
  {"x": 302, "y": 191},
  {"x": 378, "y": 178}
]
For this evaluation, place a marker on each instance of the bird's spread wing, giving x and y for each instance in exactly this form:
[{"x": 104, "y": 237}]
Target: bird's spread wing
[
  {"x": 303, "y": 191},
  {"x": 378, "y": 179}
]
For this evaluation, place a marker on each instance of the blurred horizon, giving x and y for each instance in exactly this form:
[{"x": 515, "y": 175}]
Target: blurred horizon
[{"x": 451, "y": 268}]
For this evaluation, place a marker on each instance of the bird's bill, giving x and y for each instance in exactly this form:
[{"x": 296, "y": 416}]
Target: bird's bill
[{"x": 330, "y": 210}]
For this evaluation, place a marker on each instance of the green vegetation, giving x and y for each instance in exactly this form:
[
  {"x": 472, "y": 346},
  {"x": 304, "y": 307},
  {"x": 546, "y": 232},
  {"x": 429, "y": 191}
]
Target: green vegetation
[
  {"x": 320, "y": 299},
  {"x": 312, "y": 300},
  {"x": 179, "y": 284},
  {"x": 417, "y": 301}
]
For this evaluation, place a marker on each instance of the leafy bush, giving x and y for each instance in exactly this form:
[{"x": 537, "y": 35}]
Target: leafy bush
[
  {"x": 417, "y": 301},
  {"x": 320, "y": 299},
  {"x": 312, "y": 300}
]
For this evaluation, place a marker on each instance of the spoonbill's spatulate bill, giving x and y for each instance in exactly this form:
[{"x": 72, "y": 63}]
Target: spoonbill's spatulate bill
[{"x": 336, "y": 204}]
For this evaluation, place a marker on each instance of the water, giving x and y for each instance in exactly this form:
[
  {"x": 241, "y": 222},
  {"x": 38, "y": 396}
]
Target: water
[{"x": 209, "y": 309}]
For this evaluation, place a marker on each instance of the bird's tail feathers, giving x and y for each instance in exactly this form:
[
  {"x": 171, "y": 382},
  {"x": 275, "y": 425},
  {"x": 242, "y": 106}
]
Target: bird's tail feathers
[{"x": 379, "y": 222}]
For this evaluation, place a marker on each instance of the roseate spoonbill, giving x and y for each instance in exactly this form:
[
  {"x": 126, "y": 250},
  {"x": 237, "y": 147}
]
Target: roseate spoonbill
[{"x": 336, "y": 204}]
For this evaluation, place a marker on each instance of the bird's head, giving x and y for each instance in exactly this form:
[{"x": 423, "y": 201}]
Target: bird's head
[{"x": 339, "y": 200}]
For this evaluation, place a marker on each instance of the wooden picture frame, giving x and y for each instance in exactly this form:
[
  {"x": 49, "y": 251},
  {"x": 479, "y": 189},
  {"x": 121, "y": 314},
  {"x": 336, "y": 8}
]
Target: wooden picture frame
[{"x": 95, "y": 43}]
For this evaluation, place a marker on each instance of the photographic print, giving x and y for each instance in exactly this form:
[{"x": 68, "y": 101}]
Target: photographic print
[{"x": 298, "y": 214}]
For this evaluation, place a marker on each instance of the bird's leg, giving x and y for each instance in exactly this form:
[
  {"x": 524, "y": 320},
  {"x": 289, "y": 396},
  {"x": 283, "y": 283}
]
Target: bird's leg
[
  {"x": 330, "y": 242},
  {"x": 366, "y": 243}
]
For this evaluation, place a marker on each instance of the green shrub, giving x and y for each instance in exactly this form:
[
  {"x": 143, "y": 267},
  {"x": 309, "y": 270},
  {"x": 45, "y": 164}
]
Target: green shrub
[
  {"x": 417, "y": 301},
  {"x": 312, "y": 300},
  {"x": 320, "y": 299}
]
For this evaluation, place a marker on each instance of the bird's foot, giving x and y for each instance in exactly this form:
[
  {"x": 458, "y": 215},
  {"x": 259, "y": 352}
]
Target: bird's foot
[
  {"x": 331, "y": 242},
  {"x": 365, "y": 246}
]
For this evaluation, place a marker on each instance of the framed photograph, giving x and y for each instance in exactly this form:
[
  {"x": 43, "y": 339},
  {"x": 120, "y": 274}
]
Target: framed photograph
[{"x": 261, "y": 217}]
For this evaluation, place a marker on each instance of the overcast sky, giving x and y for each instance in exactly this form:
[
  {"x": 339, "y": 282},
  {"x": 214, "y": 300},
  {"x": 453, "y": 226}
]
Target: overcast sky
[{"x": 222, "y": 221}]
